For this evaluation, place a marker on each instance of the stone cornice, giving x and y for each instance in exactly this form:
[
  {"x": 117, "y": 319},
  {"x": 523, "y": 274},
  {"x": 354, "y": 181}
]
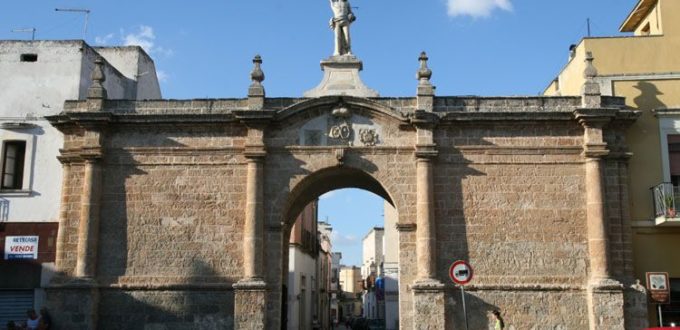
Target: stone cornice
[
  {"x": 449, "y": 117},
  {"x": 595, "y": 150},
  {"x": 423, "y": 119},
  {"x": 255, "y": 118},
  {"x": 668, "y": 112},
  {"x": 80, "y": 155},
  {"x": 406, "y": 227},
  {"x": 255, "y": 152},
  {"x": 594, "y": 117},
  {"x": 426, "y": 151}
]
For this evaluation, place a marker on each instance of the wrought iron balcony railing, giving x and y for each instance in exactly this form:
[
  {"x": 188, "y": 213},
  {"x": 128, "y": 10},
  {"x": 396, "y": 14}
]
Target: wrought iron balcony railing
[{"x": 664, "y": 196}]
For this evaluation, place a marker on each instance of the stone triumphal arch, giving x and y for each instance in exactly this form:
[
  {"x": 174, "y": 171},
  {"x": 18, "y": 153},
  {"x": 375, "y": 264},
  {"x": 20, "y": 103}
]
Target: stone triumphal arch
[{"x": 175, "y": 214}]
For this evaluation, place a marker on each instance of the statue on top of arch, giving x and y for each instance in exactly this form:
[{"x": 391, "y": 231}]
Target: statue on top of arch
[{"x": 340, "y": 22}]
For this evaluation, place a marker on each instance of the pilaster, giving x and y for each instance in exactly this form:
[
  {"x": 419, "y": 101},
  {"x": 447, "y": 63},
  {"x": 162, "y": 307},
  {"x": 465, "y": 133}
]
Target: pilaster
[
  {"x": 62, "y": 237},
  {"x": 605, "y": 294},
  {"x": 251, "y": 291},
  {"x": 428, "y": 292},
  {"x": 88, "y": 228}
]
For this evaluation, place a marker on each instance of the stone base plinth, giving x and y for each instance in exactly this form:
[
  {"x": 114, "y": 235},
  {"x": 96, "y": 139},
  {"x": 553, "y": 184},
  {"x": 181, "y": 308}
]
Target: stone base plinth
[
  {"x": 429, "y": 309},
  {"x": 250, "y": 309},
  {"x": 341, "y": 77},
  {"x": 77, "y": 303},
  {"x": 605, "y": 305},
  {"x": 636, "y": 307}
]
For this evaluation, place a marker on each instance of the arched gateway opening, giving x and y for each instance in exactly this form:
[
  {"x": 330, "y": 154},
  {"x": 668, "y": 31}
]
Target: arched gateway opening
[
  {"x": 324, "y": 287},
  {"x": 372, "y": 150}
]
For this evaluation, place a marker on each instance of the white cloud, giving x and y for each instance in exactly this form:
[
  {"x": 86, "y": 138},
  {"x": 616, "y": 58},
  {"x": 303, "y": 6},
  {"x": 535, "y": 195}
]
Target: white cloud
[
  {"x": 162, "y": 76},
  {"x": 143, "y": 38},
  {"x": 339, "y": 239},
  {"x": 477, "y": 8},
  {"x": 104, "y": 40}
]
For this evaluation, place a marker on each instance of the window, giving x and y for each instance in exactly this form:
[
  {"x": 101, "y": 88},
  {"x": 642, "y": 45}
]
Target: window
[
  {"x": 646, "y": 30},
  {"x": 29, "y": 57},
  {"x": 13, "y": 156},
  {"x": 674, "y": 158},
  {"x": 671, "y": 312}
]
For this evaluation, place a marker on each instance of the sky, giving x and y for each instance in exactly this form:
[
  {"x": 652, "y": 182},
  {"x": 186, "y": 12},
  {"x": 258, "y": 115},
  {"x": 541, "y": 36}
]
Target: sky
[{"x": 204, "y": 49}]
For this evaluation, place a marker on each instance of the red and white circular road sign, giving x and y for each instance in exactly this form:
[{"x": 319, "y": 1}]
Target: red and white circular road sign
[{"x": 461, "y": 272}]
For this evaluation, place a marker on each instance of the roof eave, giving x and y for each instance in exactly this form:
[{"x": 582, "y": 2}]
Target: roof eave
[{"x": 636, "y": 16}]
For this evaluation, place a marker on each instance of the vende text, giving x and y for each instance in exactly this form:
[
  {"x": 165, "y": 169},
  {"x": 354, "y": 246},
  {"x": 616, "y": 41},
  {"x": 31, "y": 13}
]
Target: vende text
[{"x": 27, "y": 248}]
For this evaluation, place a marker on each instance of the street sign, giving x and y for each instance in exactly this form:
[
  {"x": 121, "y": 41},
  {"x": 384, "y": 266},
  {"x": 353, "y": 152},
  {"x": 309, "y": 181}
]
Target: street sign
[
  {"x": 21, "y": 247},
  {"x": 659, "y": 287},
  {"x": 460, "y": 272}
]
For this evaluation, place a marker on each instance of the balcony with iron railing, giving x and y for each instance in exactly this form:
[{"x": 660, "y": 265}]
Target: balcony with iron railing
[{"x": 666, "y": 196}]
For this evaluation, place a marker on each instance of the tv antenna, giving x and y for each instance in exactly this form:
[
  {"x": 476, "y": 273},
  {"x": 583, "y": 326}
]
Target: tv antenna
[
  {"x": 76, "y": 10},
  {"x": 32, "y": 30}
]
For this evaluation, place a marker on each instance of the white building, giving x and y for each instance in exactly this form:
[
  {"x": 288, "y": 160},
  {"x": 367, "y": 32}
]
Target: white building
[
  {"x": 36, "y": 77},
  {"x": 380, "y": 271},
  {"x": 322, "y": 317},
  {"x": 336, "y": 258},
  {"x": 391, "y": 268},
  {"x": 371, "y": 269},
  {"x": 302, "y": 269}
]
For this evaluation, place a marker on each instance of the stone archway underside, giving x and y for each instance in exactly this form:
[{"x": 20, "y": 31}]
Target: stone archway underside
[{"x": 332, "y": 179}]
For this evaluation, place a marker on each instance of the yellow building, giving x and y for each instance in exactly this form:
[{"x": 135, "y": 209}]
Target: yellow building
[
  {"x": 645, "y": 69},
  {"x": 351, "y": 287}
]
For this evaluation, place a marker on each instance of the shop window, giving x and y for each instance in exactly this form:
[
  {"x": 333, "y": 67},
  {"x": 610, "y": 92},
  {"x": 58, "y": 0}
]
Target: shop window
[
  {"x": 13, "y": 156},
  {"x": 671, "y": 312}
]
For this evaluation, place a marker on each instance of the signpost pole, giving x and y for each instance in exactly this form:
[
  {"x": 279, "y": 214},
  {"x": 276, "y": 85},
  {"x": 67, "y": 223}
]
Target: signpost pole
[
  {"x": 462, "y": 296},
  {"x": 658, "y": 306}
]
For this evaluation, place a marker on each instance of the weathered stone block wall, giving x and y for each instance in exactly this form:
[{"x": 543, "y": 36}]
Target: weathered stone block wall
[
  {"x": 530, "y": 309},
  {"x": 166, "y": 310},
  {"x": 73, "y": 185},
  {"x": 511, "y": 201}
]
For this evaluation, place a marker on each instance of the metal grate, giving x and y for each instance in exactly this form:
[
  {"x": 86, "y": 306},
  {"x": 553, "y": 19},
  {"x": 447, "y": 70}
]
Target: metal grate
[{"x": 13, "y": 306}]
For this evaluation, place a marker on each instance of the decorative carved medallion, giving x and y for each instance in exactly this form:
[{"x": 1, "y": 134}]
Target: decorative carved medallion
[
  {"x": 368, "y": 137},
  {"x": 342, "y": 132}
]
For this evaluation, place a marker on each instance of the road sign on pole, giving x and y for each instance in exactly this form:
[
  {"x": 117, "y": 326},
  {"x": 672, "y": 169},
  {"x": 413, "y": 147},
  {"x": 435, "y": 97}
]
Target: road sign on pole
[{"x": 461, "y": 272}]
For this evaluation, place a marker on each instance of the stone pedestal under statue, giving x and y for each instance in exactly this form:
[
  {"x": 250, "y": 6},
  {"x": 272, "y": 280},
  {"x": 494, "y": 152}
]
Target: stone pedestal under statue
[{"x": 341, "y": 77}]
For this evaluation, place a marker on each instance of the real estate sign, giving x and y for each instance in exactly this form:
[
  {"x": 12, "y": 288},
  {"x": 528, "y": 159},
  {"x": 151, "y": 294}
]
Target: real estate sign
[{"x": 21, "y": 247}]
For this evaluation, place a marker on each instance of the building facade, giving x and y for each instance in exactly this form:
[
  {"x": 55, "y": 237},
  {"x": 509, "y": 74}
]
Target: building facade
[
  {"x": 642, "y": 67},
  {"x": 372, "y": 274},
  {"x": 336, "y": 257},
  {"x": 324, "y": 266},
  {"x": 303, "y": 251},
  {"x": 36, "y": 77},
  {"x": 390, "y": 267},
  {"x": 350, "y": 292}
]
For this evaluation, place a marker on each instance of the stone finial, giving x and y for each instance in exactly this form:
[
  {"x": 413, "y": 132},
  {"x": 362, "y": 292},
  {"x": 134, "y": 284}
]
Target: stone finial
[
  {"x": 590, "y": 93},
  {"x": 97, "y": 90},
  {"x": 425, "y": 94},
  {"x": 590, "y": 72},
  {"x": 257, "y": 75},
  {"x": 424, "y": 73},
  {"x": 256, "y": 92}
]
